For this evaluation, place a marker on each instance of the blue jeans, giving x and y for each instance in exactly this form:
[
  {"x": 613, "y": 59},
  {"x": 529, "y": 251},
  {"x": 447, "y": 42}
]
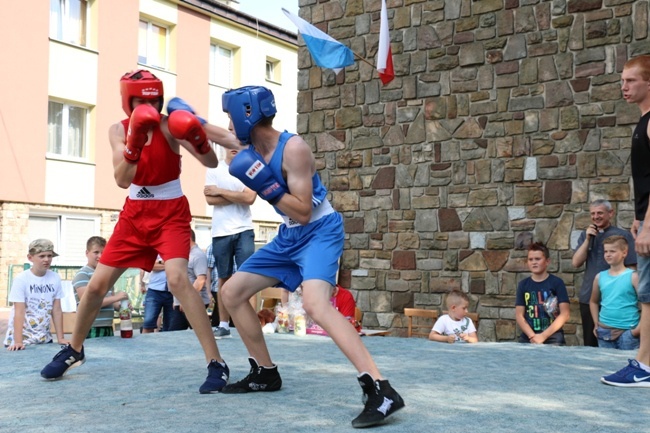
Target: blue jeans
[
  {"x": 625, "y": 342},
  {"x": 154, "y": 302},
  {"x": 232, "y": 250}
]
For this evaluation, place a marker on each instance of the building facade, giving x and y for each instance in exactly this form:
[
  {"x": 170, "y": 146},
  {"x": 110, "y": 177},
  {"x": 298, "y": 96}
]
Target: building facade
[
  {"x": 61, "y": 94},
  {"x": 504, "y": 121}
]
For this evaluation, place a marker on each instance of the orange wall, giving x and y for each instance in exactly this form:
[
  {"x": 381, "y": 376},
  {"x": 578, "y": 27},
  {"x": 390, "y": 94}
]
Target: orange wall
[
  {"x": 118, "y": 54},
  {"x": 23, "y": 101},
  {"x": 114, "y": 36},
  {"x": 192, "y": 67}
]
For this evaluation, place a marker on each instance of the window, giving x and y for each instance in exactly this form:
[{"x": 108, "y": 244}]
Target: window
[
  {"x": 152, "y": 44},
  {"x": 66, "y": 130},
  {"x": 221, "y": 59},
  {"x": 272, "y": 70},
  {"x": 68, "y": 20},
  {"x": 269, "y": 70},
  {"x": 69, "y": 234}
]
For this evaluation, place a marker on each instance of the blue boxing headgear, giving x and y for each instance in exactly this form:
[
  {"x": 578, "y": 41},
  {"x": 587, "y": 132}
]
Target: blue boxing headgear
[{"x": 247, "y": 106}]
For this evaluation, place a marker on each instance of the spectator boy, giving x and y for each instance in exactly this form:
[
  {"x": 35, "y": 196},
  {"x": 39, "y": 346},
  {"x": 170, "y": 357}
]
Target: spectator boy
[
  {"x": 343, "y": 301},
  {"x": 36, "y": 296},
  {"x": 542, "y": 301},
  {"x": 614, "y": 303},
  {"x": 454, "y": 326},
  {"x": 103, "y": 324}
]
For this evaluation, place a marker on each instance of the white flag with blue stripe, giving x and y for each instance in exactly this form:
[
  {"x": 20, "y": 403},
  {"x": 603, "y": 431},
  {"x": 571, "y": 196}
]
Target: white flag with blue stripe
[{"x": 326, "y": 51}]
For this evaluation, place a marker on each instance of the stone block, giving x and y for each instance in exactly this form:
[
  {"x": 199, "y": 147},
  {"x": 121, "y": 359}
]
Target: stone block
[
  {"x": 403, "y": 260},
  {"x": 576, "y": 6},
  {"x": 506, "y": 330},
  {"x": 384, "y": 179},
  {"x": 558, "y": 94}
]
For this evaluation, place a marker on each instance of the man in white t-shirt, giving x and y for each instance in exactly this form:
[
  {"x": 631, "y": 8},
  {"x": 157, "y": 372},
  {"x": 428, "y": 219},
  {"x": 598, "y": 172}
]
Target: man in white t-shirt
[{"x": 233, "y": 237}]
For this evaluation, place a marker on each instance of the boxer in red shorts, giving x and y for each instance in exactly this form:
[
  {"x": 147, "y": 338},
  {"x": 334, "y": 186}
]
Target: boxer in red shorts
[{"x": 156, "y": 215}]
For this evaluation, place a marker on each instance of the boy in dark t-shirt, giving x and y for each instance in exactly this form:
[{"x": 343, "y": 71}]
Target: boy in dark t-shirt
[{"x": 542, "y": 301}]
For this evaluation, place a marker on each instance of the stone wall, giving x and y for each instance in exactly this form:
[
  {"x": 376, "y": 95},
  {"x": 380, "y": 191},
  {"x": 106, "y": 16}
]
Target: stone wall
[{"x": 504, "y": 121}]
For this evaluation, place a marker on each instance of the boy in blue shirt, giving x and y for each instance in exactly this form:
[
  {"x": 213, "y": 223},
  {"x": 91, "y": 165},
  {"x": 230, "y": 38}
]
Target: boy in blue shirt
[{"x": 614, "y": 303}]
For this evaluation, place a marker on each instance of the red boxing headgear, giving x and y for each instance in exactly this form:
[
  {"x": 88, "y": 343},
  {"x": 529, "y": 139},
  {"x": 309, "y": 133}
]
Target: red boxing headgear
[{"x": 140, "y": 84}]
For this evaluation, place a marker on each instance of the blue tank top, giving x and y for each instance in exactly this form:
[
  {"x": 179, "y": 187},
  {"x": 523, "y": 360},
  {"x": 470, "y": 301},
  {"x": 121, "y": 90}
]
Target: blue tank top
[
  {"x": 618, "y": 301},
  {"x": 319, "y": 191}
]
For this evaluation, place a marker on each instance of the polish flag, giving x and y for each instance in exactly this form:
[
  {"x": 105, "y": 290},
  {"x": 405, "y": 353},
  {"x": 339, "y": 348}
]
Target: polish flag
[{"x": 384, "y": 54}]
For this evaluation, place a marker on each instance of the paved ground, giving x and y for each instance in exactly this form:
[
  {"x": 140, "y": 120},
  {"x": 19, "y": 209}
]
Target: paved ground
[
  {"x": 4, "y": 316},
  {"x": 150, "y": 384}
]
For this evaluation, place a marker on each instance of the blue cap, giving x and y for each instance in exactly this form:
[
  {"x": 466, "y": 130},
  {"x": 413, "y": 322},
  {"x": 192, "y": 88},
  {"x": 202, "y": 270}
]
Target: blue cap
[{"x": 247, "y": 106}]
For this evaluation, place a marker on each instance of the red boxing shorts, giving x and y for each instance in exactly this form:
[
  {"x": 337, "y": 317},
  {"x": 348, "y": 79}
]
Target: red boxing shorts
[{"x": 147, "y": 228}]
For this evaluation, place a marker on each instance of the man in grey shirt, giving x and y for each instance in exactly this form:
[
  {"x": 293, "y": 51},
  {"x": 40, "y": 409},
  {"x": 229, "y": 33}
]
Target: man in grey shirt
[{"x": 590, "y": 251}]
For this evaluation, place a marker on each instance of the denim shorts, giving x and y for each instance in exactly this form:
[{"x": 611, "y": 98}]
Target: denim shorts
[
  {"x": 625, "y": 342},
  {"x": 643, "y": 268},
  {"x": 231, "y": 251}
]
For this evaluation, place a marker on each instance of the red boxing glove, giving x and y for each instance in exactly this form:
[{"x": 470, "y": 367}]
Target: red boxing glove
[
  {"x": 184, "y": 125},
  {"x": 143, "y": 118}
]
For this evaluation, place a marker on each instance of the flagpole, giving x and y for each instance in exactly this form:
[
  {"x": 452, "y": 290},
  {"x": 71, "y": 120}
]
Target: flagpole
[{"x": 362, "y": 59}]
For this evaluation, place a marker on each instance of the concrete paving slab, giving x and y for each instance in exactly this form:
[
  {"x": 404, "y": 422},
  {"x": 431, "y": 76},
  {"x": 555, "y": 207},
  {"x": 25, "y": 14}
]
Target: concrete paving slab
[{"x": 150, "y": 384}]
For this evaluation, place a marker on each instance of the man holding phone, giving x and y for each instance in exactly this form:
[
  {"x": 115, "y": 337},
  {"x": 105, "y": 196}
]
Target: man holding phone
[{"x": 590, "y": 250}]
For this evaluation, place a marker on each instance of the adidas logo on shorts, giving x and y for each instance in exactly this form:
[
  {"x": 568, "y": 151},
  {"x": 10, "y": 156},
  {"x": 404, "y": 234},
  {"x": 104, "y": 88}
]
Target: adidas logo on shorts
[{"x": 144, "y": 193}]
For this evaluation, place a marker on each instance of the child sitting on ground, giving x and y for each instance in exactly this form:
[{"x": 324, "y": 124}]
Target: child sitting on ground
[
  {"x": 614, "y": 303},
  {"x": 455, "y": 326}
]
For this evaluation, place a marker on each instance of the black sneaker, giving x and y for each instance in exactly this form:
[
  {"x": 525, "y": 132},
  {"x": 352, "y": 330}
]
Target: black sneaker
[
  {"x": 66, "y": 359},
  {"x": 381, "y": 400},
  {"x": 218, "y": 374},
  {"x": 259, "y": 379}
]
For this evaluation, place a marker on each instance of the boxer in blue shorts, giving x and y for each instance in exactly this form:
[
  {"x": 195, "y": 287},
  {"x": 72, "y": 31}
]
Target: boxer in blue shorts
[
  {"x": 635, "y": 86},
  {"x": 281, "y": 168}
]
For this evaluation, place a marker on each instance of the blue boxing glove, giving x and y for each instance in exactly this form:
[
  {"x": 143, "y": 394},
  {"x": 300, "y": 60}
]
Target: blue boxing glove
[
  {"x": 256, "y": 175},
  {"x": 177, "y": 103}
]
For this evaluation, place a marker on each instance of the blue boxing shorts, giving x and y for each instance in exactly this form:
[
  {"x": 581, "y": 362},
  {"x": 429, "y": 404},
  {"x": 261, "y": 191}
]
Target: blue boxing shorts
[{"x": 301, "y": 253}]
